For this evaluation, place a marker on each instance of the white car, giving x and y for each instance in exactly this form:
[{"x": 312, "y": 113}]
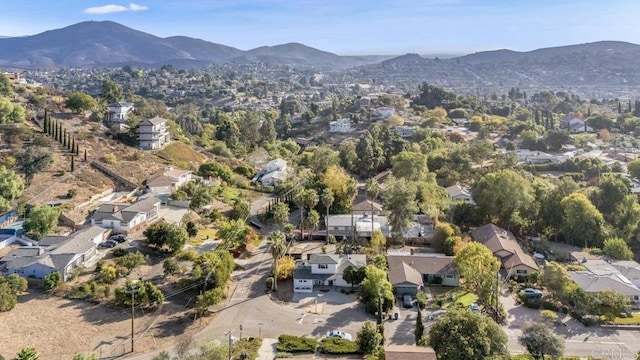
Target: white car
[{"x": 339, "y": 334}]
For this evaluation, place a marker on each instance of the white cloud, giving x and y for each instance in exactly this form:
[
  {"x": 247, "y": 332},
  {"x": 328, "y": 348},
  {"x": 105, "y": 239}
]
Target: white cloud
[{"x": 109, "y": 9}]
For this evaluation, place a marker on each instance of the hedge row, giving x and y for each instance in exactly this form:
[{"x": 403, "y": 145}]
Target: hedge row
[
  {"x": 294, "y": 344},
  {"x": 338, "y": 346}
]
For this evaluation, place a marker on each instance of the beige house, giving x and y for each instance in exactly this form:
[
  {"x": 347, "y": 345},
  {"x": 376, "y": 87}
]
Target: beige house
[{"x": 506, "y": 248}]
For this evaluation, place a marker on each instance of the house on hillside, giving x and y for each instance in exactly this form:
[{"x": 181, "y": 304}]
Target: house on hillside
[
  {"x": 362, "y": 206},
  {"x": 325, "y": 270},
  {"x": 165, "y": 183},
  {"x": 340, "y": 126},
  {"x": 405, "y": 131},
  {"x": 515, "y": 262},
  {"x": 154, "y": 134},
  {"x": 419, "y": 231},
  {"x": 55, "y": 253},
  {"x": 575, "y": 125},
  {"x": 127, "y": 218},
  {"x": 409, "y": 273},
  {"x": 274, "y": 173},
  {"x": 458, "y": 193},
  {"x": 118, "y": 113}
]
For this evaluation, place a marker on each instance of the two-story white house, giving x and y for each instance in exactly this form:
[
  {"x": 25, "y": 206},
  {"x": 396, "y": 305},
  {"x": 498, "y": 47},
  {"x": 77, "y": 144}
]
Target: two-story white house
[
  {"x": 127, "y": 218},
  {"x": 458, "y": 193},
  {"x": 154, "y": 134},
  {"x": 405, "y": 131},
  {"x": 165, "y": 183},
  {"x": 340, "y": 126},
  {"x": 325, "y": 270},
  {"x": 118, "y": 112},
  {"x": 275, "y": 173}
]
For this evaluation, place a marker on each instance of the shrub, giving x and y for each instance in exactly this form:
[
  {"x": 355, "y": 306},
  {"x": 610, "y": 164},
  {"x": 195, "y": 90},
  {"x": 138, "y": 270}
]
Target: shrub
[
  {"x": 331, "y": 239},
  {"x": 269, "y": 283},
  {"x": 294, "y": 344},
  {"x": 51, "y": 281},
  {"x": 338, "y": 346},
  {"x": 245, "y": 170},
  {"x": 283, "y": 355},
  {"x": 421, "y": 300},
  {"x": 549, "y": 315},
  {"x": 110, "y": 159},
  {"x": 187, "y": 255},
  {"x": 72, "y": 193},
  {"x": 119, "y": 252}
]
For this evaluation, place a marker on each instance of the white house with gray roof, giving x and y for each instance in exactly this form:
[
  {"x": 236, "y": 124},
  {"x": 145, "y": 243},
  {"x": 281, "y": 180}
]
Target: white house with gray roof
[
  {"x": 153, "y": 134},
  {"x": 601, "y": 274},
  {"x": 324, "y": 270},
  {"x": 55, "y": 253},
  {"x": 127, "y": 218}
]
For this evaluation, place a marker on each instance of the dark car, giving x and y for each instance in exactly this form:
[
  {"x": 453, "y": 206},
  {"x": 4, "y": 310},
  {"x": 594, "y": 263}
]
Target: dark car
[
  {"x": 407, "y": 301},
  {"x": 119, "y": 238},
  {"x": 531, "y": 293},
  {"x": 109, "y": 244}
]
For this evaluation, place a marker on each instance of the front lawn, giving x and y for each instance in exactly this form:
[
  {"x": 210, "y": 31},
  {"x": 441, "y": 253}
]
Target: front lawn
[
  {"x": 634, "y": 319},
  {"x": 203, "y": 234},
  {"x": 453, "y": 297}
]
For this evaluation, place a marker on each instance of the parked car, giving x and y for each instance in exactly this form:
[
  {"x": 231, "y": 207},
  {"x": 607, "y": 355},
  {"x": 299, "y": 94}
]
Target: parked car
[
  {"x": 109, "y": 244},
  {"x": 532, "y": 293},
  {"x": 119, "y": 238},
  {"x": 407, "y": 301},
  {"x": 474, "y": 307},
  {"x": 339, "y": 334}
]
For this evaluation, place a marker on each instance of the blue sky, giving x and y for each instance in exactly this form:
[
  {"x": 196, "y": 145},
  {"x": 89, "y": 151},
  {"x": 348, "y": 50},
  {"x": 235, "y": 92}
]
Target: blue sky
[{"x": 348, "y": 27}]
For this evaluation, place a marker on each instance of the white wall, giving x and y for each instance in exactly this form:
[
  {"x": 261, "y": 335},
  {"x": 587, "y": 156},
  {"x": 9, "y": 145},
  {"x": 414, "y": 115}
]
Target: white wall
[
  {"x": 331, "y": 269},
  {"x": 302, "y": 285}
]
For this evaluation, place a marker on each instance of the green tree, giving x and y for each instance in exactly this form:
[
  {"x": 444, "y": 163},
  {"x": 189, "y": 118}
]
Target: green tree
[
  {"x": 280, "y": 213},
  {"x": 209, "y": 298},
  {"x": 610, "y": 304},
  {"x": 42, "y": 220},
  {"x": 322, "y": 157},
  {"x": 79, "y": 102},
  {"x": 191, "y": 228},
  {"x": 34, "y": 160},
  {"x": 11, "y": 188},
  {"x": 233, "y": 233},
  {"x": 400, "y": 206},
  {"x": 27, "y": 353},
  {"x": 277, "y": 247},
  {"x": 353, "y": 275},
  {"x": 130, "y": 261},
  {"x": 634, "y": 168},
  {"x": 8, "y": 297},
  {"x": 616, "y": 248},
  {"x": 479, "y": 268},
  {"x": 550, "y": 219},
  {"x": 368, "y": 338},
  {"x": 540, "y": 341},
  {"x": 419, "y": 332},
  {"x": 241, "y": 209},
  {"x": 311, "y": 222},
  {"x": 376, "y": 292},
  {"x": 409, "y": 165},
  {"x": 502, "y": 195},
  {"x": 6, "y": 87},
  {"x": 170, "y": 267},
  {"x": 164, "y": 235},
  {"x": 617, "y": 204},
  {"x": 51, "y": 281},
  {"x": 555, "y": 278},
  {"x": 463, "y": 334},
  {"x": 581, "y": 220},
  {"x": 145, "y": 294},
  {"x": 110, "y": 92},
  {"x": 214, "y": 268},
  {"x": 10, "y": 113},
  {"x": 554, "y": 139},
  {"x": 327, "y": 200}
]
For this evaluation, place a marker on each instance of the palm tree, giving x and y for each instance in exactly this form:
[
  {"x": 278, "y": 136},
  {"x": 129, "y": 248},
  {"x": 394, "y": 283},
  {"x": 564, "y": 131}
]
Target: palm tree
[
  {"x": 277, "y": 248},
  {"x": 311, "y": 199},
  {"x": 233, "y": 233},
  {"x": 311, "y": 221},
  {"x": 352, "y": 192},
  {"x": 280, "y": 213},
  {"x": 27, "y": 354},
  {"x": 327, "y": 199},
  {"x": 298, "y": 199}
]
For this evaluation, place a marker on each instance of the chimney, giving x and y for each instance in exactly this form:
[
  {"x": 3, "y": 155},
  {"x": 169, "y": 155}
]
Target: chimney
[{"x": 114, "y": 209}]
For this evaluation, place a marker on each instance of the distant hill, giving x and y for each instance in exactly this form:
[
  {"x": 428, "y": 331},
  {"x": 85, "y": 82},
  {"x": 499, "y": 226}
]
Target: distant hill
[{"x": 106, "y": 43}]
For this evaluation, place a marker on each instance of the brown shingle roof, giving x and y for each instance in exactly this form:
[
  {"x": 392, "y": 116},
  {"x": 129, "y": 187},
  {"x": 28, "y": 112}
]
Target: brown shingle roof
[
  {"x": 498, "y": 239},
  {"x": 408, "y": 352}
]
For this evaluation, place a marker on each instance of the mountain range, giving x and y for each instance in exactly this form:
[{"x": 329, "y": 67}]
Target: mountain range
[{"x": 106, "y": 43}]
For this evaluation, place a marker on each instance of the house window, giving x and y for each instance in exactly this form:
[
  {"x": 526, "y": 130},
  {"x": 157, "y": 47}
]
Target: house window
[
  {"x": 450, "y": 276},
  {"x": 323, "y": 266},
  {"x": 521, "y": 272},
  {"x": 635, "y": 297}
]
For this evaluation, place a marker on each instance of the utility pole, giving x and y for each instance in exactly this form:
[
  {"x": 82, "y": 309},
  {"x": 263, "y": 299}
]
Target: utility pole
[
  {"x": 133, "y": 291},
  {"x": 229, "y": 334}
]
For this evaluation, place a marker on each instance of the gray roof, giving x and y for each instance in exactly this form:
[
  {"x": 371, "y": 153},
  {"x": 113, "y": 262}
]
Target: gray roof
[
  {"x": 592, "y": 283},
  {"x": 403, "y": 273},
  {"x": 153, "y": 121},
  {"x": 144, "y": 205},
  {"x": 355, "y": 260},
  {"x": 324, "y": 259},
  {"x": 52, "y": 240},
  {"x": 80, "y": 241},
  {"x": 457, "y": 190},
  {"x": 304, "y": 272},
  {"x": 425, "y": 263},
  {"x": 125, "y": 212}
]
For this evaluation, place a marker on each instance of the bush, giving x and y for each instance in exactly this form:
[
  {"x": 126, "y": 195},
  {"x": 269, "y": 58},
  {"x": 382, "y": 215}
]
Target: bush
[
  {"x": 269, "y": 283},
  {"x": 187, "y": 255},
  {"x": 119, "y": 252},
  {"x": 331, "y": 239},
  {"x": 338, "y": 346},
  {"x": 245, "y": 170},
  {"x": 110, "y": 159},
  {"x": 294, "y": 344},
  {"x": 421, "y": 300},
  {"x": 549, "y": 315},
  {"x": 51, "y": 281},
  {"x": 72, "y": 193},
  {"x": 283, "y": 355}
]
